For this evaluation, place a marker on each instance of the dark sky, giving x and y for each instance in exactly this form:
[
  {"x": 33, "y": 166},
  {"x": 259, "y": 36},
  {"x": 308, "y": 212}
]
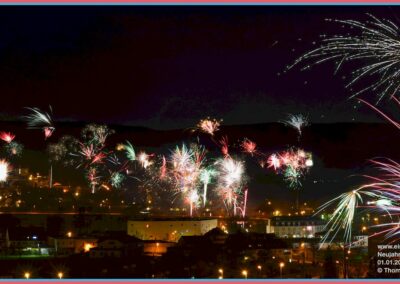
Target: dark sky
[{"x": 167, "y": 67}]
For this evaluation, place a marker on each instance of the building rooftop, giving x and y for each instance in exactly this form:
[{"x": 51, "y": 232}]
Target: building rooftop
[
  {"x": 296, "y": 221},
  {"x": 149, "y": 219}
]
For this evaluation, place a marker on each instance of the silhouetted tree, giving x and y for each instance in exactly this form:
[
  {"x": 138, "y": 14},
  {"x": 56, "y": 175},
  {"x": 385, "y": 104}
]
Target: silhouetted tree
[{"x": 329, "y": 265}]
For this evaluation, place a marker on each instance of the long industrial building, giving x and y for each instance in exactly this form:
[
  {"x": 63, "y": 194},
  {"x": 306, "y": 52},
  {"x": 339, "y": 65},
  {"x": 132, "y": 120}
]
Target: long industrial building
[{"x": 169, "y": 230}]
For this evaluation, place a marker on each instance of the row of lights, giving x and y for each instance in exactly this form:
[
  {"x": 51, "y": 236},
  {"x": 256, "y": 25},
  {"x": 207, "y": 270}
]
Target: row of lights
[
  {"x": 27, "y": 275},
  {"x": 245, "y": 273}
]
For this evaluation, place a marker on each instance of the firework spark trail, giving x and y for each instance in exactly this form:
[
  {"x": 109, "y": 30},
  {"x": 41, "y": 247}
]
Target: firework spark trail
[
  {"x": 114, "y": 160},
  {"x": 193, "y": 200},
  {"x": 92, "y": 176},
  {"x": 40, "y": 120},
  {"x": 245, "y": 203},
  {"x": 342, "y": 216},
  {"x": 98, "y": 158},
  {"x": 163, "y": 169},
  {"x": 4, "y": 170},
  {"x": 392, "y": 121},
  {"x": 7, "y": 136},
  {"x": 386, "y": 192},
  {"x": 130, "y": 151},
  {"x": 206, "y": 174},
  {"x": 224, "y": 146},
  {"x": 297, "y": 121},
  {"x": 373, "y": 44},
  {"x": 385, "y": 188}
]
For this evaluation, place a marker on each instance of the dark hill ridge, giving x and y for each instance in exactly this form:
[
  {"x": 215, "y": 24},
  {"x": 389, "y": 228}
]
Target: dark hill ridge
[{"x": 338, "y": 145}]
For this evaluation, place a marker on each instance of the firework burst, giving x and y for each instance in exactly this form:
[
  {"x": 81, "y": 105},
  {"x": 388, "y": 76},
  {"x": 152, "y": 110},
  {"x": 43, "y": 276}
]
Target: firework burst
[
  {"x": 40, "y": 120},
  {"x": 185, "y": 168},
  {"x": 385, "y": 190},
  {"x": 7, "y": 137},
  {"x": 144, "y": 159},
  {"x": 381, "y": 194},
  {"x": 96, "y": 134},
  {"x": 129, "y": 151},
  {"x": 14, "y": 148},
  {"x": 230, "y": 181},
  {"x": 64, "y": 150},
  {"x": 274, "y": 161},
  {"x": 293, "y": 164},
  {"x": 373, "y": 44},
  {"x": 209, "y": 126},
  {"x": 343, "y": 215},
  {"x": 117, "y": 179},
  {"x": 249, "y": 147},
  {"x": 297, "y": 121}
]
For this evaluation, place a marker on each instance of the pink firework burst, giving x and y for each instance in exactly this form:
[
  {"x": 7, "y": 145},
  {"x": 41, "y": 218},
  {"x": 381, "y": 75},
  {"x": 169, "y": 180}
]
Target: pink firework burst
[
  {"x": 249, "y": 146},
  {"x": 87, "y": 151},
  {"x": 7, "y": 136},
  {"x": 48, "y": 131}
]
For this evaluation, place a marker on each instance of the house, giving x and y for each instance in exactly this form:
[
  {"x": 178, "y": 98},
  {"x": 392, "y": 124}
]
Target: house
[
  {"x": 295, "y": 226},
  {"x": 64, "y": 245},
  {"x": 117, "y": 245},
  {"x": 25, "y": 241}
]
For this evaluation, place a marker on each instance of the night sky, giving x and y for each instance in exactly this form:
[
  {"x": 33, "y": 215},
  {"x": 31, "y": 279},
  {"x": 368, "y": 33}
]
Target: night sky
[{"x": 167, "y": 67}]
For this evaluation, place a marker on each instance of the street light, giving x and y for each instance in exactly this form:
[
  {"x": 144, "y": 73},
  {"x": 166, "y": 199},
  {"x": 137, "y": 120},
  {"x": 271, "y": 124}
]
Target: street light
[
  {"x": 244, "y": 273},
  {"x": 221, "y": 272},
  {"x": 259, "y": 267},
  {"x": 27, "y": 275},
  {"x": 60, "y": 275},
  {"x": 281, "y": 266},
  {"x": 156, "y": 251}
]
